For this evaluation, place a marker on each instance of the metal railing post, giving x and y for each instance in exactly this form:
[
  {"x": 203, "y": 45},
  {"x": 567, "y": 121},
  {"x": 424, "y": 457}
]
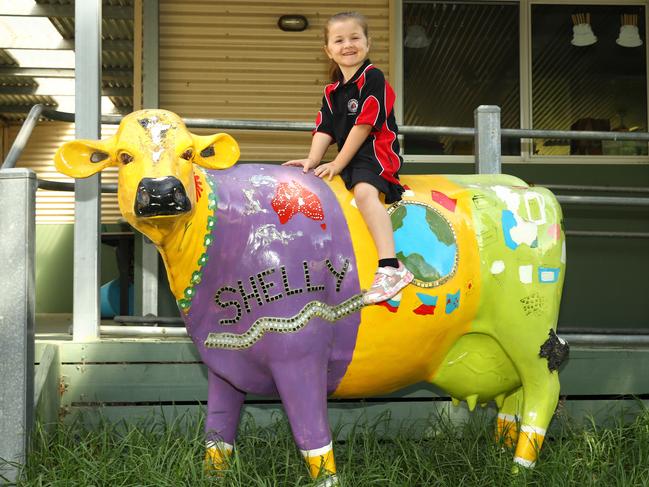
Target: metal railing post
[
  {"x": 17, "y": 309},
  {"x": 487, "y": 139},
  {"x": 87, "y": 196},
  {"x": 147, "y": 272}
]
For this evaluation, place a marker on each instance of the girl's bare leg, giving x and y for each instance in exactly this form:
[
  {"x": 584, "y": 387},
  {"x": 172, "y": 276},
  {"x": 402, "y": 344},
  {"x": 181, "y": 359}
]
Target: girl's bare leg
[
  {"x": 376, "y": 218},
  {"x": 388, "y": 281}
]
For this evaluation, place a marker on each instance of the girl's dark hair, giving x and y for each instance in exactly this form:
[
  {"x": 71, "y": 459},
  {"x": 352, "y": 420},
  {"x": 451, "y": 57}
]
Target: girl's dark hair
[{"x": 334, "y": 70}]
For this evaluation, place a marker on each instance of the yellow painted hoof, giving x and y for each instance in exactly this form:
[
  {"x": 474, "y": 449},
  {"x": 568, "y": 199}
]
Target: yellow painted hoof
[
  {"x": 506, "y": 430},
  {"x": 529, "y": 444},
  {"x": 217, "y": 458},
  {"x": 320, "y": 462}
]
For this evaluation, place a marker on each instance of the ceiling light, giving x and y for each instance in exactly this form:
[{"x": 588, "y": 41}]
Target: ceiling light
[
  {"x": 582, "y": 32},
  {"x": 629, "y": 35},
  {"x": 416, "y": 37}
]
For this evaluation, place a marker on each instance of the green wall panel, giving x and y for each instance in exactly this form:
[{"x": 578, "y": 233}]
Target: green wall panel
[
  {"x": 54, "y": 244},
  {"x": 54, "y": 266}
]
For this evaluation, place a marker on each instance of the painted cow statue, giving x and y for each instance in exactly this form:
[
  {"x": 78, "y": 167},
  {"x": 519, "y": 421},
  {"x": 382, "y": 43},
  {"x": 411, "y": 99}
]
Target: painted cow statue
[{"x": 268, "y": 266}]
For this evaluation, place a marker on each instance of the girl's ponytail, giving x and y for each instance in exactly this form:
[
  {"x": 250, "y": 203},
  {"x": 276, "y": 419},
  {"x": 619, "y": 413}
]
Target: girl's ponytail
[{"x": 334, "y": 72}]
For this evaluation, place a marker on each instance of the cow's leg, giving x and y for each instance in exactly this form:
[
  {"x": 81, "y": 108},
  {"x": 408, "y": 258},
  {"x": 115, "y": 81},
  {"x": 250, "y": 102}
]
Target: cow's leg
[
  {"x": 223, "y": 410},
  {"x": 540, "y": 398},
  {"x": 302, "y": 386},
  {"x": 508, "y": 417}
]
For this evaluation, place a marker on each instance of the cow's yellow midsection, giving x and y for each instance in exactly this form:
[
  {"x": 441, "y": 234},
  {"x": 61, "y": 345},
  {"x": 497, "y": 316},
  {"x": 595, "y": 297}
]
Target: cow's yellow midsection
[{"x": 395, "y": 349}]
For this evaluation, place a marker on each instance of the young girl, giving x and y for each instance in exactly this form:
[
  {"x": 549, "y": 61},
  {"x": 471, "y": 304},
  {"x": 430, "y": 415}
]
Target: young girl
[{"x": 357, "y": 113}]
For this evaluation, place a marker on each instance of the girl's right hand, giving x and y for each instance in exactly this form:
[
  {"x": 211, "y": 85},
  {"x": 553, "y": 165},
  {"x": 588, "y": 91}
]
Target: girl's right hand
[{"x": 306, "y": 164}]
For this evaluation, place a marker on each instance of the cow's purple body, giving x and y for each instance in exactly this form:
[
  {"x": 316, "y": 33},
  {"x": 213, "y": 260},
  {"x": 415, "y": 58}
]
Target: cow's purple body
[{"x": 276, "y": 360}]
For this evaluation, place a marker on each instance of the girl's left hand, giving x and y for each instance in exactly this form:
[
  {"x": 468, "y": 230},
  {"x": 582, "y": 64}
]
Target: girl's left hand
[{"x": 330, "y": 169}]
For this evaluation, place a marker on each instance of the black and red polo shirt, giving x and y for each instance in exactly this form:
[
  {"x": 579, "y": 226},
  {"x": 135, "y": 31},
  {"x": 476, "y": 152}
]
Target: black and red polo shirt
[{"x": 367, "y": 98}]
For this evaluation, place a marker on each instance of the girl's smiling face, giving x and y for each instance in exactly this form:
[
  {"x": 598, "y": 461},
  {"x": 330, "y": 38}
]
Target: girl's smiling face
[{"x": 347, "y": 45}]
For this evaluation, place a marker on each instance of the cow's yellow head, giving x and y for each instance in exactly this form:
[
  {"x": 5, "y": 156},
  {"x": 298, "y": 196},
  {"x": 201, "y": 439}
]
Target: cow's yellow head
[{"x": 155, "y": 154}]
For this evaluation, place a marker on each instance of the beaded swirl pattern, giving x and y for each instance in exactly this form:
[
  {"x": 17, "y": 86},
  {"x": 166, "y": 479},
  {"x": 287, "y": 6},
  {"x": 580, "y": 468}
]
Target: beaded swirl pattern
[{"x": 233, "y": 341}]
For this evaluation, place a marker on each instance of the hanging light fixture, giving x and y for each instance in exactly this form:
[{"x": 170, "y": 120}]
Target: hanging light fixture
[
  {"x": 582, "y": 32},
  {"x": 629, "y": 35},
  {"x": 416, "y": 37}
]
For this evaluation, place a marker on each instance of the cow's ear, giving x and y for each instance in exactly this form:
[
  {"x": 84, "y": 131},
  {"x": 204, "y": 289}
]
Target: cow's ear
[
  {"x": 218, "y": 151},
  {"x": 83, "y": 158}
]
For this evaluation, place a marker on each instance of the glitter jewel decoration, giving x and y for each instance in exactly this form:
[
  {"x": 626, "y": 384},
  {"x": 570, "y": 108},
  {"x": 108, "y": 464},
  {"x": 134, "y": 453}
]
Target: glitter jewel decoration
[
  {"x": 189, "y": 292},
  {"x": 233, "y": 341},
  {"x": 291, "y": 198}
]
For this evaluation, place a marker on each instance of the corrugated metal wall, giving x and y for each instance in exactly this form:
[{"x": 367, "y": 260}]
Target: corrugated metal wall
[
  {"x": 225, "y": 59},
  {"x": 229, "y": 59},
  {"x": 58, "y": 206}
]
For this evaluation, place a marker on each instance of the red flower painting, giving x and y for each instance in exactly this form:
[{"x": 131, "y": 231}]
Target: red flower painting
[
  {"x": 292, "y": 198},
  {"x": 199, "y": 186}
]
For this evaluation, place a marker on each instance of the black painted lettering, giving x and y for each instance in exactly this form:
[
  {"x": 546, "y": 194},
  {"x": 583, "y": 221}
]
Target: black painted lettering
[
  {"x": 338, "y": 275},
  {"x": 287, "y": 288},
  {"x": 307, "y": 280},
  {"x": 228, "y": 304},
  {"x": 248, "y": 296},
  {"x": 265, "y": 286}
]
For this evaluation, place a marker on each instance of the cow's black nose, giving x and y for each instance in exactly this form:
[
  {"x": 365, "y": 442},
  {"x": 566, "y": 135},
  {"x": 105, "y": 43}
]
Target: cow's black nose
[{"x": 161, "y": 196}]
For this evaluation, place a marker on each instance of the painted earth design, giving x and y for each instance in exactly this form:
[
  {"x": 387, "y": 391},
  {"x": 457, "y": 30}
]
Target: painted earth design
[{"x": 425, "y": 242}]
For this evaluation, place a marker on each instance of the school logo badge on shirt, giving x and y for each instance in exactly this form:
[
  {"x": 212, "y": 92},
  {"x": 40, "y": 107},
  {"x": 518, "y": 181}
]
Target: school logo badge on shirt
[{"x": 352, "y": 106}]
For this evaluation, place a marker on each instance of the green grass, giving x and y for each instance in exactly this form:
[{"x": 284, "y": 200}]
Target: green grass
[{"x": 155, "y": 453}]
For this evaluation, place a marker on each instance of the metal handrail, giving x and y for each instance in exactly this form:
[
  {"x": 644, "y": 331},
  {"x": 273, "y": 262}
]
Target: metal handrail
[
  {"x": 599, "y": 234},
  {"x": 595, "y": 189},
  {"x": 23, "y": 136},
  {"x": 405, "y": 129},
  {"x": 602, "y": 200},
  {"x": 41, "y": 110}
]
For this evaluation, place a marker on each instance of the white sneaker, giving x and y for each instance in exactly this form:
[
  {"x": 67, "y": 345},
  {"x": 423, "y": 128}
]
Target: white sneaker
[{"x": 388, "y": 281}]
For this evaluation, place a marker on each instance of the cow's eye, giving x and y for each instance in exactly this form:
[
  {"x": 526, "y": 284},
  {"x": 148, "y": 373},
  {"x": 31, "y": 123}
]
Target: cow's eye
[
  {"x": 125, "y": 158},
  {"x": 188, "y": 154}
]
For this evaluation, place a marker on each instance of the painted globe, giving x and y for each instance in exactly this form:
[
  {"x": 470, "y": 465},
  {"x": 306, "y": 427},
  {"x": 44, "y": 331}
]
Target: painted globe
[{"x": 425, "y": 242}]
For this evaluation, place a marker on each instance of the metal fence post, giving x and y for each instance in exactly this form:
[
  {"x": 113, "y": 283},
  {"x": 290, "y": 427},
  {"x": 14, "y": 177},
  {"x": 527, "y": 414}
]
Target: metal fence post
[
  {"x": 17, "y": 309},
  {"x": 146, "y": 285},
  {"x": 87, "y": 197},
  {"x": 487, "y": 139}
]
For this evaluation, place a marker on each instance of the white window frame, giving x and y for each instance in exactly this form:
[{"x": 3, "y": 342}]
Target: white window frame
[{"x": 525, "y": 87}]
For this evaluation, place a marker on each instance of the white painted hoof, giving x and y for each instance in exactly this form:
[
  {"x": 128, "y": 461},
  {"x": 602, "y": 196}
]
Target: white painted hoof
[{"x": 330, "y": 481}]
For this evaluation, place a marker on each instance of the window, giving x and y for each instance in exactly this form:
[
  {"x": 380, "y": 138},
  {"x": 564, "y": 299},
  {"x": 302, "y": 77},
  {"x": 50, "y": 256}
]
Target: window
[
  {"x": 589, "y": 73},
  {"x": 547, "y": 65},
  {"x": 457, "y": 56}
]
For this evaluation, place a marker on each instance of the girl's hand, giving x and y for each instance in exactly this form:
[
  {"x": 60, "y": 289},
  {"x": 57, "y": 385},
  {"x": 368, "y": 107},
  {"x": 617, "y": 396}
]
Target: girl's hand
[
  {"x": 305, "y": 163},
  {"x": 329, "y": 170}
]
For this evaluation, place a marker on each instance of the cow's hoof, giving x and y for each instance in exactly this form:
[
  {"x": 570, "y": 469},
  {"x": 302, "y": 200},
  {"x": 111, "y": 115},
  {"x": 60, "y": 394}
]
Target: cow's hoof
[
  {"x": 216, "y": 462},
  {"x": 521, "y": 468},
  {"x": 329, "y": 481},
  {"x": 212, "y": 471}
]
